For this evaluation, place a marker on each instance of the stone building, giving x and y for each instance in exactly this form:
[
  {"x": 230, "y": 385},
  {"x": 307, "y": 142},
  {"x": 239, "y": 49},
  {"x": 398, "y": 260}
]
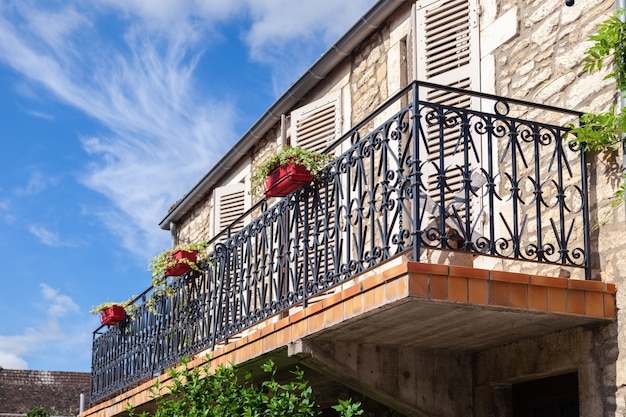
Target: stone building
[
  {"x": 58, "y": 392},
  {"x": 458, "y": 258}
]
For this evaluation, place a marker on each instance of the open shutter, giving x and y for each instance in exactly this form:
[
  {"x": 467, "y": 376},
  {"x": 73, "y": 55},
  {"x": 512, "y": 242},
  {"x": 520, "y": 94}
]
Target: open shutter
[
  {"x": 230, "y": 203},
  {"x": 448, "y": 54}
]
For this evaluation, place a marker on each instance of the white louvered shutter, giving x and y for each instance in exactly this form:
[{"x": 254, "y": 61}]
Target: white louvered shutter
[
  {"x": 448, "y": 54},
  {"x": 230, "y": 203},
  {"x": 315, "y": 126},
  {"x": 318, "y": 124}
]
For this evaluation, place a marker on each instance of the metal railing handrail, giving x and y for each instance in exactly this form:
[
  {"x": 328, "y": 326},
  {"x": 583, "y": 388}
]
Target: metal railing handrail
[{"x": 414, "y": 181}]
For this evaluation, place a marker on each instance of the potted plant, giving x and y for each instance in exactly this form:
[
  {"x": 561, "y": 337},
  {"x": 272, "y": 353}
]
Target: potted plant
[
  {"x": 112, "y": 313},
  {"x": 175, "y": 262},
  {"x": 287, "y": 170}
]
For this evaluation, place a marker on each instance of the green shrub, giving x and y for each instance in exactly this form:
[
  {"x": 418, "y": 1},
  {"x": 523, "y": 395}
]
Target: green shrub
[
  {"x": 37, "y": 412},
  {"x": 198, "y": 393}
]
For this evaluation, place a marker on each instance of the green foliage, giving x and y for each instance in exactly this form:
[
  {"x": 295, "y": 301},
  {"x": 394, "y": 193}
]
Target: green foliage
[
  {"x": 158, "y": 265},
  {"x": 37, "y": 412},
  {"x": 602, "y": 131},
  {"x": 127, "y": 305},
  {"x": 609, "y": 43},
  {"x": 605, "y": 131},
  {"x": 620, "y": 194},
  {"x": 347, "y": 408},
  {"x": 313, "y": 161},
  {"x": 352, "y": 403},
  {"x": 165, "y": 260},
  {"x": 198, "y": 393}
]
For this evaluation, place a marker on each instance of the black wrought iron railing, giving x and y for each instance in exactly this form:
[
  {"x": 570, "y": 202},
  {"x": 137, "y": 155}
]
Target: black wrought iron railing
[{"x": 434, "y": 168}]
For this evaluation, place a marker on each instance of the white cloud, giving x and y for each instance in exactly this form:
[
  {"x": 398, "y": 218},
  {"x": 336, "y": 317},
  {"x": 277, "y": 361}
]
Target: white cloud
[
  {"x": 53, "y": 26},
  {"x": 49, "y": 335},
  {"x": 58, "y": 304},
  {"x": 164, "y": 130},
  {"x": 40, "y": 115},
  {"x": 9, "y": 360},
  {"x": 5, "y": 212},
  {"x": 276, "y": 23},
  {"x": 49, "y": 238},
  {"x": 45, "y": 236},
  {"x": 285, "y": 34},
  {"x": 37, "y": 182},
  {"x": 165, "y": 134},
  {"x": 14, "y": 349},
  {"x": 171, "y": 15}
]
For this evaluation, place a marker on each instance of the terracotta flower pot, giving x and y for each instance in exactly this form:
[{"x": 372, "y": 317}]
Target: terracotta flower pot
[
  {"x": 181, "y": 267},
  {"x": 285, "y": 179},
  {"x": 112, "y": 315}
]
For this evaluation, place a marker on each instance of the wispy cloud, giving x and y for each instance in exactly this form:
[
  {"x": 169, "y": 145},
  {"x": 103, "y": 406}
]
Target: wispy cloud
[
  {"x": 45, "y": 236},
  {"x": 5, "y": 212},
  {"x": 41, "y": 115},
  {"x": 48, "y": 237},
  {"x": 284, "y": 33},
  {"x": 165, "y": 128},
  {"x": 37, "y": 182},
  {"x": 58, "y": 305},
  {"x": 277, "y": 23},
  {"x": 49, "y": 335}
]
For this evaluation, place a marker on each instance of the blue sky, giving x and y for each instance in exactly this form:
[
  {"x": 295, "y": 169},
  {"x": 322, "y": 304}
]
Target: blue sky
[{"x": 110, "y": 111}]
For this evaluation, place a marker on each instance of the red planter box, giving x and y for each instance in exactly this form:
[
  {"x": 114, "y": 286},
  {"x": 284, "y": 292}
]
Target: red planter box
[
  {"x": 181, "y": 267},
  {"x": 112, "y": 315},
  {"x": 285, "y": 179}
]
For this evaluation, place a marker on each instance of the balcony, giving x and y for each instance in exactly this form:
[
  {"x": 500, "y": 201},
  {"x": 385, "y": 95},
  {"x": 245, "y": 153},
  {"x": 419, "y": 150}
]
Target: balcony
[{"x": 410, "y": 235}]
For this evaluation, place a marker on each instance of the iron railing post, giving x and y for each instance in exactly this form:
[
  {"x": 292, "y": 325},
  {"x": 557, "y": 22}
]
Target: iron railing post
[{"x": 415, "y": 175}]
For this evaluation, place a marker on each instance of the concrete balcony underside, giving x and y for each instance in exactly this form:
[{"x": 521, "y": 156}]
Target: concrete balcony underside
[{"x": 406, "y": 305}]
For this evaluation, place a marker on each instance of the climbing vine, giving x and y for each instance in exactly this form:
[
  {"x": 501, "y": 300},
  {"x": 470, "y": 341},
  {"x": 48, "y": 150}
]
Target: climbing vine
[{"x": 605, "y": 131}]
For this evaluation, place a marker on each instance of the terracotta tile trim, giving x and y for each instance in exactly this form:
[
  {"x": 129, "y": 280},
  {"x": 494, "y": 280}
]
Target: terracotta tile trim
[{"x": 512, "y": 290}]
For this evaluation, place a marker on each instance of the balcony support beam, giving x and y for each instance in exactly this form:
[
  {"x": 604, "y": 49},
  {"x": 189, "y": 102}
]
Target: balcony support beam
[{"x": 413, "y": 382}]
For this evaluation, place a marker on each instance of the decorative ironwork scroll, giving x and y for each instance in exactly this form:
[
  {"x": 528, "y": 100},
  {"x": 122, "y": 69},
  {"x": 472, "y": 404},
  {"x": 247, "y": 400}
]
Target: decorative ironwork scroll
[{"x": 452, "y": 174}]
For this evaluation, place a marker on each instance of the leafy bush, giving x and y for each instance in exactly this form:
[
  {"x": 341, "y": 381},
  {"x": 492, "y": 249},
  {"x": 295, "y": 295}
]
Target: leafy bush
[
  {"x": 37, "y": 412},
  {"x": 198, "y": 393}
]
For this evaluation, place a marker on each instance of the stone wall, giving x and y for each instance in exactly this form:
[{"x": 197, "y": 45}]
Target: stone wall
[
  {"x": 533, "y": 50},
  {"x": 196, "y": 225},
  {"x": 539, "y": 58},
  {"x": 58, "y": 392},
  {"x": 368, "y": 81},
  {"x": 589, "y": 353}
]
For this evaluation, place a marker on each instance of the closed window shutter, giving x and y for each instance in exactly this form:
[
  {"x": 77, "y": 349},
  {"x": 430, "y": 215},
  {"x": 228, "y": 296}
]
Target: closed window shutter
[
  {"x": 315, "y": 126},
  {"x": 318, "y": 124},
  {"x": 230, "y": 203},
  {"x": 448, "y": 43},
  {"x": 448, "y": 54}
]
